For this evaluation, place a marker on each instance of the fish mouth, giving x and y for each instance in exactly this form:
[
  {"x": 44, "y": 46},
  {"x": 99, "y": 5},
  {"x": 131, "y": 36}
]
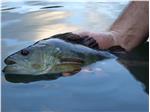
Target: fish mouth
[
  {"x": 9, "y": 61},
  {"x": 4, "y": 69}
]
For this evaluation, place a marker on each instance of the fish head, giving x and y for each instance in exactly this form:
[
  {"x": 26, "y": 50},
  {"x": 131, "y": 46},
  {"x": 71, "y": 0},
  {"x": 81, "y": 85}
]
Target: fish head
[{"x": 31, "y": 60}]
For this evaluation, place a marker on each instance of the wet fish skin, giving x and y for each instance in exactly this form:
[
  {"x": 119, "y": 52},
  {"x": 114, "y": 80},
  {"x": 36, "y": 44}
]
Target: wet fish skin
[{"x": 52, "y": 55}]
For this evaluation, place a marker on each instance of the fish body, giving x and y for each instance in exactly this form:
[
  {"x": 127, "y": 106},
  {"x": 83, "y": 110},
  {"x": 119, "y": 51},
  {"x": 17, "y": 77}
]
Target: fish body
[{"x": 52, "y": 55}]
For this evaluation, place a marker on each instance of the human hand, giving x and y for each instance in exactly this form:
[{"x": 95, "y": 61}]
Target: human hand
[
  {"x": 102, "y": 40},
  {"x": 76, "y": 38}
]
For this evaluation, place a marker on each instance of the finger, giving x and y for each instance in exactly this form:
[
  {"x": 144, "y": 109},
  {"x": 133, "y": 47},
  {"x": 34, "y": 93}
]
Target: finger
[
  {"x": 75, "y": 37},
  {"x": 70, "y": 37},
  {"x": 93, "y": 45},
  {"x": 87, "y": 38},
  {"x": 93, "y": 42},
  {"x": 84, "y": 37},
  {"x": 89, "y": 41}
]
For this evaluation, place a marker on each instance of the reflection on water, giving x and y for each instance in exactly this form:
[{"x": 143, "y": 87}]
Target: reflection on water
[
  {"x": 30, "y": 78},
  {"x": 51, "y": 7},
  {"x": 98, "y": 89},
  {"x": 104, "y": 86},
  {"x": 137, "y": 62}
]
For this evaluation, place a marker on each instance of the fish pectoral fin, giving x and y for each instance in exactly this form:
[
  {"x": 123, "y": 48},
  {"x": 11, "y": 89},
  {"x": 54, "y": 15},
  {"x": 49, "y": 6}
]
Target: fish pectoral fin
[
  {"x": 66, "y": 67},
  {"x": 72, "y": 60},
  {"x": 69, "y": 73}
]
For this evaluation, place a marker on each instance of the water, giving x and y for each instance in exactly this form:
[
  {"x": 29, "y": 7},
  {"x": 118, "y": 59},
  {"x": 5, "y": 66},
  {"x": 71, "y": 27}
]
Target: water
[{"x": 102, "y": 87}]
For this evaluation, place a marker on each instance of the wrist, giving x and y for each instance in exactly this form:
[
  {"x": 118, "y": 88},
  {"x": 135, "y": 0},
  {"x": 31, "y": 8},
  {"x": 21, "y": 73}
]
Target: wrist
[
  {"x": 115, "y": 35},
  {"x": 125, "y": 39},
  {"x": 106, "y": 40}
]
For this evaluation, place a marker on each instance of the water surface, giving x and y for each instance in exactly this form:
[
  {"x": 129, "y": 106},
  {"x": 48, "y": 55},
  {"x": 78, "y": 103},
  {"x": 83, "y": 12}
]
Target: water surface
[{"x": 102, "y": 87}]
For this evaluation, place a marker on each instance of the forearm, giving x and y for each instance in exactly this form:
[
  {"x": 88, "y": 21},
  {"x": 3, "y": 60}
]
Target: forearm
[{"x": 131, "y": 28}]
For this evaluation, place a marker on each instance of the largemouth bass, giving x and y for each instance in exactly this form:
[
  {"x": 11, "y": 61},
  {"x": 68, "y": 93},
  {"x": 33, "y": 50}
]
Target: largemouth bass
[{"x": 52, "y": 55}]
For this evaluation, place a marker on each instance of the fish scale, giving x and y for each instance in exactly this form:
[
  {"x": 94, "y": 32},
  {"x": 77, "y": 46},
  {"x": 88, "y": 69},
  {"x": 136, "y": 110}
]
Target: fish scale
[{"x": 52, "y": 55}]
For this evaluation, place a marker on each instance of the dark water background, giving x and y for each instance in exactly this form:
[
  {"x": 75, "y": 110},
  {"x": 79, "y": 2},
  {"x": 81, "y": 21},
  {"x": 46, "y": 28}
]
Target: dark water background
[{"x": 106, "y": 86}]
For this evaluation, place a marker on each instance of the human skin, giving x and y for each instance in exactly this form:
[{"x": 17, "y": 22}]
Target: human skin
[{"x": 128, "y": 31}]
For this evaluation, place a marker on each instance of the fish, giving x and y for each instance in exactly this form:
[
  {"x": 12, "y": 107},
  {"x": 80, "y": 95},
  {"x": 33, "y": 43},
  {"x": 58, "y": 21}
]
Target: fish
[{"x": 52, "y": 56}]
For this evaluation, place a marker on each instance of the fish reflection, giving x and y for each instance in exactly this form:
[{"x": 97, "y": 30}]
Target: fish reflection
[{"x": 30, "y": 78}]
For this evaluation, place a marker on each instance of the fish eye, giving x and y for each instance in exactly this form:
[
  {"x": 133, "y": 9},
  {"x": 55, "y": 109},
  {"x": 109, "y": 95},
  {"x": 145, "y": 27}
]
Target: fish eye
[{"x": 24, "y": 52}]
